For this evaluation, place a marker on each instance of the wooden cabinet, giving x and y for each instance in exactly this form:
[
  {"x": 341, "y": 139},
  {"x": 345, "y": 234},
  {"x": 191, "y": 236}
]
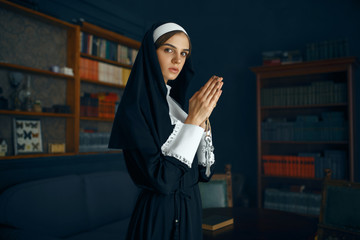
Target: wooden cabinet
[
  {"x": 31, "y": 44},
  {"x": 304, "y": 125}
]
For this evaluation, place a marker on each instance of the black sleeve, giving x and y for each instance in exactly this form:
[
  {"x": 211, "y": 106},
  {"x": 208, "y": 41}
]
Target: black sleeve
[{"x": 155, "y": 172}]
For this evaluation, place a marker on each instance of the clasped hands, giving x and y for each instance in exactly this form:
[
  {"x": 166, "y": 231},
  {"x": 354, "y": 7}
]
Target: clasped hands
[{"x": 203, "y": 102}]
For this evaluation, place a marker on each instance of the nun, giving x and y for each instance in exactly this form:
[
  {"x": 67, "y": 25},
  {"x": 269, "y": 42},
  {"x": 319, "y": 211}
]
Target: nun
[{"x": 167, "y": 151}]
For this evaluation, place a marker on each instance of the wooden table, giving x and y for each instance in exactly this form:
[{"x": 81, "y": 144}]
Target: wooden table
[{"x": 262, "y": 224}]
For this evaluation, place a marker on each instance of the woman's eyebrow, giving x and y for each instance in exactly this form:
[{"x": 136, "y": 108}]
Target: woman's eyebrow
[{"x": 170, "y": 45}]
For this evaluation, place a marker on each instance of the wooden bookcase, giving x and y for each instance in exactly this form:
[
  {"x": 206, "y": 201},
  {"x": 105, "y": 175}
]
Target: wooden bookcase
[
  {"x": 73, "y": 84},
  {"x": 99, "y": 85},
  {"x": 285, "y": 94}
]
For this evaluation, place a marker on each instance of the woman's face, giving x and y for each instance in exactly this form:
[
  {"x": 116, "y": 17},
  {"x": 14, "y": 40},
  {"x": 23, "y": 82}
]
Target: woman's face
[{"x": 172, "y": 56}]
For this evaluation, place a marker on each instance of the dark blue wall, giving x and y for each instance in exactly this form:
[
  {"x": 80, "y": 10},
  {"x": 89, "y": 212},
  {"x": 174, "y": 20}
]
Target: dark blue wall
[{"x": 228, "y": 38}]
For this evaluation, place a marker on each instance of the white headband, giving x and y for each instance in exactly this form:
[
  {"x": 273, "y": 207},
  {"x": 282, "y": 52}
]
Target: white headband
[{"x": 165, "y": 28}]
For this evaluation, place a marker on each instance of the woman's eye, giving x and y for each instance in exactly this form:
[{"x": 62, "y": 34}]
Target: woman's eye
[
  {"x": 184, "y": 54},
  {"x": 169, "y": 50}
]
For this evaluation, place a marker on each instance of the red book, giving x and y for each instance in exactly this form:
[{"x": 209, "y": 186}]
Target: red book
[
  {"x": 311, "y": 167},
  {"x": 289, "y": 166},
  {"x": 303, "y": 166},
  {"x": 87, "y": 63},
  {"x": 91, "y": 69},
  {"x": 81, "y": 68},
  {"x": 293, "y": 166},
  {"x": 272, "y": 62},
  {"x": 96, "y": 71},
  {"x": 277, "y": 165},
  {"x": 306, "y": 167},
  {"x": 266, "y": 167}
]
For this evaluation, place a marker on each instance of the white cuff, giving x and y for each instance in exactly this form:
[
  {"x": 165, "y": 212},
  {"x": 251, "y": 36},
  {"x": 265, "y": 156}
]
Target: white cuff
[
  {"x": 201, "y": 152},
  {"x": 183, "y": 142}
]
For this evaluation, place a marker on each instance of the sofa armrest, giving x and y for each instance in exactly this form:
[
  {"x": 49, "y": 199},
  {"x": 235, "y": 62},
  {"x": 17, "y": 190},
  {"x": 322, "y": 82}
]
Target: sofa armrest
[{"x": 7, "y": 233}]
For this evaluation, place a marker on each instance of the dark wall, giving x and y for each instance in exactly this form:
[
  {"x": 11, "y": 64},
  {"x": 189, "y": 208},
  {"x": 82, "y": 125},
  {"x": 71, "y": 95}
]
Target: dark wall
[{"x": 228, "y": 38}]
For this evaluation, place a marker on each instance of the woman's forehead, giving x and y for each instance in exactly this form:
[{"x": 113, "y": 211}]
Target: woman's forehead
[{"x": 179, "y": 40}]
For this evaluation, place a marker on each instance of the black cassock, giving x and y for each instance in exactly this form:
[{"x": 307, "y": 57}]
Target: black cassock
[{"x": 169, "y": 205}]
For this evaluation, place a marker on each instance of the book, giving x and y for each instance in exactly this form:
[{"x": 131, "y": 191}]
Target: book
[
  {"x": 291, "y": 166},
  {"x": 215, "y": 222},
  {"x": 293, "y": 201}
]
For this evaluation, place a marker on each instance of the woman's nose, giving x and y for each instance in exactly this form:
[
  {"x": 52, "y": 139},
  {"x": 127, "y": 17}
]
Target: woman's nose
[{"x": 176, "y": 59}]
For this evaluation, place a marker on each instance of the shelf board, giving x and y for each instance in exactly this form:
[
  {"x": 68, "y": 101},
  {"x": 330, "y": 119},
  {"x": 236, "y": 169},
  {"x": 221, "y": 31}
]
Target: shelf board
[
  {"x": 304, "y": 142},
  {"x": 34, "y": 70},
  {"x": 105, "y": 152},
  {"x": 40, "y": 114},
  {"x": 35, "y": 14},
  {"x": 85, "y": 55},
  {"x": 36, "y": 155},
  {"x": 305, "y": 106},
  {"x": 97, "y": 119},
  {"x": 102, "y": 83},
  {"x": 276, "y": 178},
  {"x": 304, "y": 68},
  {"x": 277, "y": 181},
  {"x": 112, "y": 36},
  {"x": 55, "y": 154}
]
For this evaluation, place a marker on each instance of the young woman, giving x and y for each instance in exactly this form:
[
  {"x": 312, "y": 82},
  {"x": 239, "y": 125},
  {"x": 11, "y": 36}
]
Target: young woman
[{"x": 167, "y": 151}]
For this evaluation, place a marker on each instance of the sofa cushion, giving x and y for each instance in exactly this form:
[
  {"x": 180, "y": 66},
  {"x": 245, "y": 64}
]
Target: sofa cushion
[
  {"x": 18, "y": 234},
  {"x": 110, "y": 196},
  {"x": 54, "y": 207},
  {"x": 113, "y": 231},
  {"x": 69, "y": 205}
]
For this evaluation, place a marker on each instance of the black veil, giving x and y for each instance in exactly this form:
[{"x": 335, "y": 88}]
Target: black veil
[{"x": 142, "y": 120}]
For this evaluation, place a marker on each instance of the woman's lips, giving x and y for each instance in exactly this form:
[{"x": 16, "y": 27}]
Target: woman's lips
[{"x": 174, "y": 70}]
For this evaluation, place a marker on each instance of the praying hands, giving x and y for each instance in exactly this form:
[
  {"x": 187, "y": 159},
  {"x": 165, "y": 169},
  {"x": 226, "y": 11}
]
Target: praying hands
[{"x": 203, "y": 102}]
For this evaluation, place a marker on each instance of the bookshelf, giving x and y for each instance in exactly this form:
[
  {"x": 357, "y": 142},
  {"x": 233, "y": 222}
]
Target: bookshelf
[
  {"x": 42, "y": 41},
  {"x": 110, "y": 57},
  {"x": 304, "y": 125},
  {"x": 24, "y": 58}
]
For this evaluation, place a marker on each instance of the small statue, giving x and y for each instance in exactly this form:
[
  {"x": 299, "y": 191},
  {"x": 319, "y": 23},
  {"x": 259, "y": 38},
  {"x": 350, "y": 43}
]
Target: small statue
[
  {"x": 3, "y": 147},
  {"x": 3, "y": 101},
  {"x": 15, "y": 79},
  {"x": 25, "y": 96}
]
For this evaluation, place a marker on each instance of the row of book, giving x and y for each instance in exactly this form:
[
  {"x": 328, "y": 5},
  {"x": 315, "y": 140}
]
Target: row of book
[
  {"x": 98, "y": 104},
  {"x": 320, "y": 92},
  {"x": 103, "y": 72},
  {"x": 327, "y": 49},
  {"x": 329, "y": 126},
  {"x": 296, "y": 202},
  {"x": 289, "y": 166},
  {"x": 281, "y": 57},
  {"x": 335, "y": 160},
  {"x": 94, "y": 141},
  {"x": 306, "y": 165},
  {"x": 100, "y": 47}
]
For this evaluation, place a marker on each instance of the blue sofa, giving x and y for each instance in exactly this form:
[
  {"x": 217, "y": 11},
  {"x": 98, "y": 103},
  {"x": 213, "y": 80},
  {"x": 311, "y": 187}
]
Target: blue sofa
[{"x": 94, "y": 205}]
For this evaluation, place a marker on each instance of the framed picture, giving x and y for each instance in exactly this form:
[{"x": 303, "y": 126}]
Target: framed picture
[{"x": 27, "y": 136}]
